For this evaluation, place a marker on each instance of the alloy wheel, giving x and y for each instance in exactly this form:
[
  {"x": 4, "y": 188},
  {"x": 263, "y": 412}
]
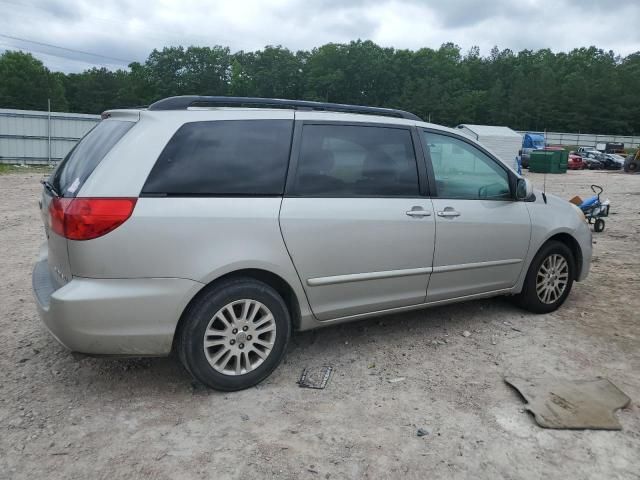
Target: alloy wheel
[
  {"x": 552, "y": 278},
  {"x": 239, "y": 337}
]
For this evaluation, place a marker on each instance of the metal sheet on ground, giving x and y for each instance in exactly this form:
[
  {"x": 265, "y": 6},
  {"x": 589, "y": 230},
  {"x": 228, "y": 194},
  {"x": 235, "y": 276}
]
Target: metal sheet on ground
[{"x": 572, "y": 404}]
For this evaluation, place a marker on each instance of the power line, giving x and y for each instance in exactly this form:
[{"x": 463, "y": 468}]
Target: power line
[
  {"x": 174, "y": 36},
  {"x": 55, "y": 65},
  {"x": 72, "y": 50}
]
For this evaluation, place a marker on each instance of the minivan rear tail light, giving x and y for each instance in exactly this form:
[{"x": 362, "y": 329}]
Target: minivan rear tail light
[{"x": 88, "y": 218}]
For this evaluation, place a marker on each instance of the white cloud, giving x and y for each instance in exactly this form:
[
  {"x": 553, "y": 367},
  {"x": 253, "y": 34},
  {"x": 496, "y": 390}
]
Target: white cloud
[{"x": 129, "y": 29}]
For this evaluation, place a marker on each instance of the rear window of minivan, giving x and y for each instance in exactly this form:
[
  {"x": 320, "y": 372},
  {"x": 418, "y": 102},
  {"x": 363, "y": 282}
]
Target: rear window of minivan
[
  {"x": 223, "y": 157},
  {"x": 82, "y": 160}
]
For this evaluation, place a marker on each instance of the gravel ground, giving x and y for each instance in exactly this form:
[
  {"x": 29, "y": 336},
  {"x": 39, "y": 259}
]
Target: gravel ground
[{"x": 100, "y": 418}]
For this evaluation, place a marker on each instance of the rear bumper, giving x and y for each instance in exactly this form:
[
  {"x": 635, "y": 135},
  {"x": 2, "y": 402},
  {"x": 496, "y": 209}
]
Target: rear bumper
[{"x": 112, "y": 316}]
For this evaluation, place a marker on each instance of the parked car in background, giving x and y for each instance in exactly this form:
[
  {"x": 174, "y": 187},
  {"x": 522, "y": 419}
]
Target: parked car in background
[
  {"x": 582, "y": 151},
  {"x": 215, "y": 226},
  {"x": 591, "y": 161},
  {"x": 575, "y": 162},
  {"x": 607, "y": 161},
  {"x": 617, "y": 160}
]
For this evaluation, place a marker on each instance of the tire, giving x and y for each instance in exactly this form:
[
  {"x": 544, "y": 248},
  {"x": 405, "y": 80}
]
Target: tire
[
  {"x": 242, "y": 352},
  {"x": 632, "y": 167},
  {"x": 598, "y": 226},
  {"x": 528, "y": 298}
]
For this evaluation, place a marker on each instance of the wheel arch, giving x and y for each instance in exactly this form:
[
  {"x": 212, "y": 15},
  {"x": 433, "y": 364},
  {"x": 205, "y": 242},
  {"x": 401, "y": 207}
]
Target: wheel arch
[
  {"x": 573, "y": 245},
  {"x": 279, "y": 284}
]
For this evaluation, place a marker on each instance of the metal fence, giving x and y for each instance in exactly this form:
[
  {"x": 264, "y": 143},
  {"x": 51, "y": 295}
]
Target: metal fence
[
  {"x": 587, "y": 139},
  {"x": 32, "y": 137}
]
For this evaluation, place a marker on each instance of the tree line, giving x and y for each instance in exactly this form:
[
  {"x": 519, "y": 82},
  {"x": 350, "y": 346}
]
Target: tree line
[{"x": 585, "y": 90}]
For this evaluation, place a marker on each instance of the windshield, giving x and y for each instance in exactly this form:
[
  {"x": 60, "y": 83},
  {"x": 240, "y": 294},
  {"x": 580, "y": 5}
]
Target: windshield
[{"x": 82, "y": 160}]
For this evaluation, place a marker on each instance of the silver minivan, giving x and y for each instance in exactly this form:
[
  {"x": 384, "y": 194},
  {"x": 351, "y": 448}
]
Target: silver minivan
[{"x": 215, "y": 226}]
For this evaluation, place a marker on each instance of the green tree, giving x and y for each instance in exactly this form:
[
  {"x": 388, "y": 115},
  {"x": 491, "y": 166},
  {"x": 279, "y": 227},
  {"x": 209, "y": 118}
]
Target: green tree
[
  {"x": 180, "y": 71},
  {"x": 27, "y": 84},
  {"x": 586, "y": 89},
  {"x": 97, "y": 90},
  {"x": 357, "y": 73},
  {"x": 274, "y": 72}
]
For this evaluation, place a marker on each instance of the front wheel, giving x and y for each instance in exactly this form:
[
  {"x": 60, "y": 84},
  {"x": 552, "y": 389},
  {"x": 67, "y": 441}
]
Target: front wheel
[
  {"x": 234, "y": 335},
  {"x": 549, "y": 279}
]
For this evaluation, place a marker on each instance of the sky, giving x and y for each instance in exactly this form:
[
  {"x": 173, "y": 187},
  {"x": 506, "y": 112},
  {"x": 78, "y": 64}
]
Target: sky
[{"x": 73, "y": 35}]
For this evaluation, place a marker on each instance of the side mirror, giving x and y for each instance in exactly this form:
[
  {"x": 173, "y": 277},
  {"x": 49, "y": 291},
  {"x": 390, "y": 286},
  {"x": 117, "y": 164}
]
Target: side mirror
[{"x": 524, "y": 189}]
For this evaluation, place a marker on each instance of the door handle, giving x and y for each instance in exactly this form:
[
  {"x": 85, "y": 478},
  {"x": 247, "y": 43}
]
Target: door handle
[
  {"x": 418, "y": 212},
  {"x": 447, "y": 213}
]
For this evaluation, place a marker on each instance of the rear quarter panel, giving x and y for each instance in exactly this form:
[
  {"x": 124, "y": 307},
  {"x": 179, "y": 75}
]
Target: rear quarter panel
[{"x": 199, "y": 239}]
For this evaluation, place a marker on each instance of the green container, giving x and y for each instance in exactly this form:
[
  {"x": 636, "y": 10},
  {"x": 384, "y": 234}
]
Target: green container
[{"x": 549, "y": 161}]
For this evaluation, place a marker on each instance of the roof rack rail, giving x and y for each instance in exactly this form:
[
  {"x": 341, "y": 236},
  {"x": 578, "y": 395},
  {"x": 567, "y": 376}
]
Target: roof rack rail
[{"x": 186, "y": 101}]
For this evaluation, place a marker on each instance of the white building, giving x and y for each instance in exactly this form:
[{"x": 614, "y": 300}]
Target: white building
[{"x": 501, "y": 141}]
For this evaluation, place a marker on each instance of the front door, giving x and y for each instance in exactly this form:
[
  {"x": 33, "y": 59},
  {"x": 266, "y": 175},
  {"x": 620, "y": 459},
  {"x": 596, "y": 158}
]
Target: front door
[
  {"x": 482, "y": 233},
  {"x": 359, "y": 232}
]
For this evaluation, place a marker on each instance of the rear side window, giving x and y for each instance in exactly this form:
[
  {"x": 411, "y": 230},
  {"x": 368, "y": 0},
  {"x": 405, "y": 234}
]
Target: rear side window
[
  {"x": 227, "y": 157},
  {"x": 82, "y": 160},
  {"x": 356, "y": 161}
]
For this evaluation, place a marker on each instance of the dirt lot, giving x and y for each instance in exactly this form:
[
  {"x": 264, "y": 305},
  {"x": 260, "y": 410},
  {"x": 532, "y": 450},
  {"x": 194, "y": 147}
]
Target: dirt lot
[{"x": 99, "y": 418}]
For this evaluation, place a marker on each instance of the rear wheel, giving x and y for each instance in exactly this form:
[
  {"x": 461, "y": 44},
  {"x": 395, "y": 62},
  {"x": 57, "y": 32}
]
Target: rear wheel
[
  {"x": 234, "y": 335},
  {"x": 549, "y": 279}
]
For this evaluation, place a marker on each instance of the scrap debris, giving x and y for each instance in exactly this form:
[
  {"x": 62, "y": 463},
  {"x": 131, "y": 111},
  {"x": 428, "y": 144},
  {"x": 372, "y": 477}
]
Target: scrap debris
[
  {"x": 315, "y": 377},
  {"x": 397, "y": 379},
  {"x": 572, "y": 404}
]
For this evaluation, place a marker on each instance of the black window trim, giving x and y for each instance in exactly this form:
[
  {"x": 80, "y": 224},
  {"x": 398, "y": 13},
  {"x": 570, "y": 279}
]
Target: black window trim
[
  {"x": 512, "y": 179},
  {"x": 423, "y": 184}
]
